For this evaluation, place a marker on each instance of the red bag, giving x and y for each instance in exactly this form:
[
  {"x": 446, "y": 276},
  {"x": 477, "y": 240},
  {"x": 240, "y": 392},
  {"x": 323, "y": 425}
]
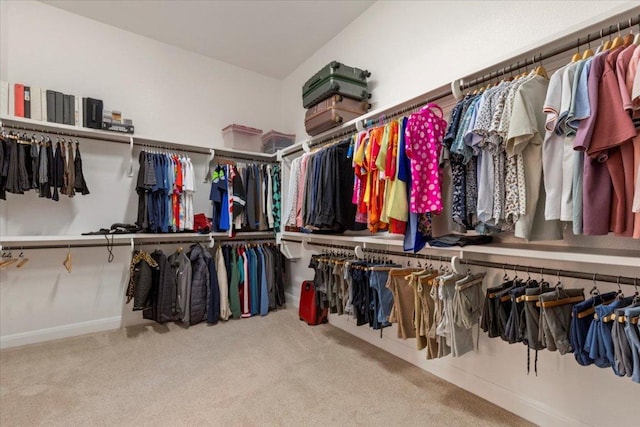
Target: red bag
[
  {"x": 201, "y": 224},
  {"x": 309, "y": 309}
]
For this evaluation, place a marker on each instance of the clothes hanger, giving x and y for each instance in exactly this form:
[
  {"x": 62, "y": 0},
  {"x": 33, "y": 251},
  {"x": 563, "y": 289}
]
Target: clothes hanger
[
  {"x": 611, "y": 317},
  {"x": 21, "y": 260},
  {"x": 576, "y": 56},
  {"x": 67, "y": 261},
  {"x": 618, "y": 41},
  {"x": 636, "y": 39},
  {"x": 8, "y": 261},
  {"x": 600, "y": 47},
  {"x": 607, "y": 44},
  {"x": 588, "y": 53},
  {"x": 594, "y": 292},
  {"x": 540, "y": 70},
  {"x": 628, "y": 39},
  {"x": 560, "y": 301}
]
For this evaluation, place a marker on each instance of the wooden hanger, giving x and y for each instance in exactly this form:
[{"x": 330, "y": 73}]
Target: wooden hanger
[
  {"x": 588, "y": 53},
  {"x": 67, "y": 261},
  {"x": 559, "y": 302},
  {"x": 618, "y": 41},
  {"x": 576, "y": 56},
  {"x": 7, "y": 263},
  {"x": 21, "y": 260}
]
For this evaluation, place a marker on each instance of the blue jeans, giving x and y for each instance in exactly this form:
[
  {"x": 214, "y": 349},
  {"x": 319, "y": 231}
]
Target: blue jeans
[{"x": 378, "y": 282}]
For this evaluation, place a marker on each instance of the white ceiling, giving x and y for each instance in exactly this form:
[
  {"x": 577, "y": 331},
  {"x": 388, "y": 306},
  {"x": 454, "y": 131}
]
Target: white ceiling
[{"x": 268, "y": 37}]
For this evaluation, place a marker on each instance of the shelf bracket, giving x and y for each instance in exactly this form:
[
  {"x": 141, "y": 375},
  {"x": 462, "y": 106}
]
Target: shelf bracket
[
  {"x": 455, "y": 89},
  {"x": 212, "y": 241},
  {"x": 131, "y": 157},
  {"x": 132, "y": 244},
  {"x": 207, "y": 166}
]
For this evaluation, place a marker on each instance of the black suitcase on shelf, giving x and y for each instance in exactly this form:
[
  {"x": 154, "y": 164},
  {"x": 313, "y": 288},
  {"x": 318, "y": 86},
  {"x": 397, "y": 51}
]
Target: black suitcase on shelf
[{"x": 336, "y": 78}]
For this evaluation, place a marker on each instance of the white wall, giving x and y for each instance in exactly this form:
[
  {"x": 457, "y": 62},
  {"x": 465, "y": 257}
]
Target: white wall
[
  {"x": 412, "y": 48},
  {"x": 170, "y": 93}
]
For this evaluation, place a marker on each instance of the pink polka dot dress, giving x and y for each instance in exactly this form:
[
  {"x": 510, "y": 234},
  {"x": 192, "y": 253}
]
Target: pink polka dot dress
[{"x": 423, "y": 144}]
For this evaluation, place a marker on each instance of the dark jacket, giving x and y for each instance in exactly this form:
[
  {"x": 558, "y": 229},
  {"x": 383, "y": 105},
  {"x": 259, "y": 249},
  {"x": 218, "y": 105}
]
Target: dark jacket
[
  {"x": 200, "y": 283},
  {"x": 166, "y": 302},
  {"x": 141, "y": 280}
]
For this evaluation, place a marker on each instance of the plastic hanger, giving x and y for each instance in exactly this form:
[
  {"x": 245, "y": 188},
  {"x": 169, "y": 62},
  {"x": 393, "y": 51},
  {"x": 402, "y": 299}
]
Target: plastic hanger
[{"x": 636, "y": 39}]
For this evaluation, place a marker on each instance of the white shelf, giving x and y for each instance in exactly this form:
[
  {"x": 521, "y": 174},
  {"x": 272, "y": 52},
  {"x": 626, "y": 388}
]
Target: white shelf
[
  {"x": 243, "y": 235},
  {"x": 166, "y": 236},
  {"x": 622, "y": 258},
  {"x": 21, "y": 123},
  {"x": 27, "y": 241},
  {"x": 31, "y": 125},
  {"x": 31, "y": 240},
  {"x": 227, "y": 152},
  {"x": 98, "y": 238}
]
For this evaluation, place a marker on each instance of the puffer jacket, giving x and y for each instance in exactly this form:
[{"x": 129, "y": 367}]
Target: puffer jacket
[
  {"x": 199, "y": 284},
  {"x": 163, "y": 292}
]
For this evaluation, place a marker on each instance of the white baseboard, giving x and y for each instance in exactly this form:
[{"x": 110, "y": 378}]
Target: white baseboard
[
  {"x": 293, "y": 300},
  {"x": 532, "y": 410},
  {"x": 57, "y": 332}
]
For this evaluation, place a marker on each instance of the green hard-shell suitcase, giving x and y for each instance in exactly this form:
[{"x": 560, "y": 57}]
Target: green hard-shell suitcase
[{"x": 336, "y": 78}]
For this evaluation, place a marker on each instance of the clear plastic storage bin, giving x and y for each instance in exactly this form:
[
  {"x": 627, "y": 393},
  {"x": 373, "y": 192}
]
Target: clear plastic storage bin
[
  {"x": 241, "y": 137},
  {"x": 273, "y": 141}
]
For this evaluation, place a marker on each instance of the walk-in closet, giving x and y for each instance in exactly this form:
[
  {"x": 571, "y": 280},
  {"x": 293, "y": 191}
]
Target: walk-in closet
[{"x": 259, "y": 213}]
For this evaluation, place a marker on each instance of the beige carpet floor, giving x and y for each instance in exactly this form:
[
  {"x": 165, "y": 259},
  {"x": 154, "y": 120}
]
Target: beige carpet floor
[{"x": 271, "y": 371}]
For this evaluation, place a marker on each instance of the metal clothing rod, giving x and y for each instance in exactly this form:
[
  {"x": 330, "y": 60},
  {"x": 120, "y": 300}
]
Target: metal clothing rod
[
  {"x": 168, "y": 242},
  {"x": 633, "y": 281},
  {"x": 566, "y": 47},
  {"x": 169, "y": 148},
  {"x": 244, "y": 239},
  {"x": 244, "y": 158},
  {"x": 75, "y": 245}
]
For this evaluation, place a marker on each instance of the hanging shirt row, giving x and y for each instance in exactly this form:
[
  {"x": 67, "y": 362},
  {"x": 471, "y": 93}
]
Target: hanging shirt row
[
  {"x": 526, "y": 155},
  {"x": 393, "y": 175},
  {"x": 207, "y": 285},
  {"x": 49, "y": 168},
  {"x": 320, "y": 197},
  {"x": 591, "y": 150},
  {"x": 245, "y": 197},
  {"x": 165, "y": 188}
]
